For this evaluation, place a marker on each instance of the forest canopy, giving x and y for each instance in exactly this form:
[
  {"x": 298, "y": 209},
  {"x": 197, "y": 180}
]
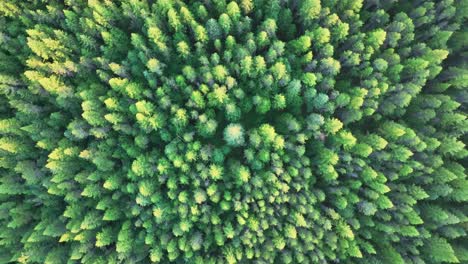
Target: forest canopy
[{"x": 246, "y": 131}]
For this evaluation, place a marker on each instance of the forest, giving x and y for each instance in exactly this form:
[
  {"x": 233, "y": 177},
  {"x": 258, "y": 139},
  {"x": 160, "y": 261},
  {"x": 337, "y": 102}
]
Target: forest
[{"x": 233, "y": 131}]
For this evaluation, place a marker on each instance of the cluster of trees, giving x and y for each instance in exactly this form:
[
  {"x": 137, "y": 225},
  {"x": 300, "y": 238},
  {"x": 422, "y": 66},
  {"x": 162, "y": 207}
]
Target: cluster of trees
[{"x": 247, "y": 131}]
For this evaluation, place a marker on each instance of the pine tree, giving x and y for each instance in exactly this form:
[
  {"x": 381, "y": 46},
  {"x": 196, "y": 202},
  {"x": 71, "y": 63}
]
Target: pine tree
[{"x": 233, "y": 131}]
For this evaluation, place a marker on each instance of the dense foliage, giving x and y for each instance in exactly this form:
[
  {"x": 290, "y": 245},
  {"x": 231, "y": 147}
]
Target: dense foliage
[{"x": 247, "y": 131}]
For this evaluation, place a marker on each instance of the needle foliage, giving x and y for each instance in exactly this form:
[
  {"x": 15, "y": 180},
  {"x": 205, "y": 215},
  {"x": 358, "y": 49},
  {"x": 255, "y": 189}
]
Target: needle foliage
[{"x": 247, "y": 131}]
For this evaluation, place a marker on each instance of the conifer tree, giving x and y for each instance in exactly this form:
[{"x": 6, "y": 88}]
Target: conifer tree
[{"x": 242, "y": 131}]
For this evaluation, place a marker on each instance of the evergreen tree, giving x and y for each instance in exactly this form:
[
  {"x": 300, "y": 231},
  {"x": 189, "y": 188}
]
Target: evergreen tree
[{"x": 233, "y": 131}]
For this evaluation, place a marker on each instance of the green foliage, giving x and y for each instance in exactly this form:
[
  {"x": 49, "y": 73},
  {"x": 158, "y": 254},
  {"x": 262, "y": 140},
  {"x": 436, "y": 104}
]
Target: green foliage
[
  {"x": 242, "y": 131},
  {"x": 234, "y": 135},
  {"x": 440, "y": 250}
]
